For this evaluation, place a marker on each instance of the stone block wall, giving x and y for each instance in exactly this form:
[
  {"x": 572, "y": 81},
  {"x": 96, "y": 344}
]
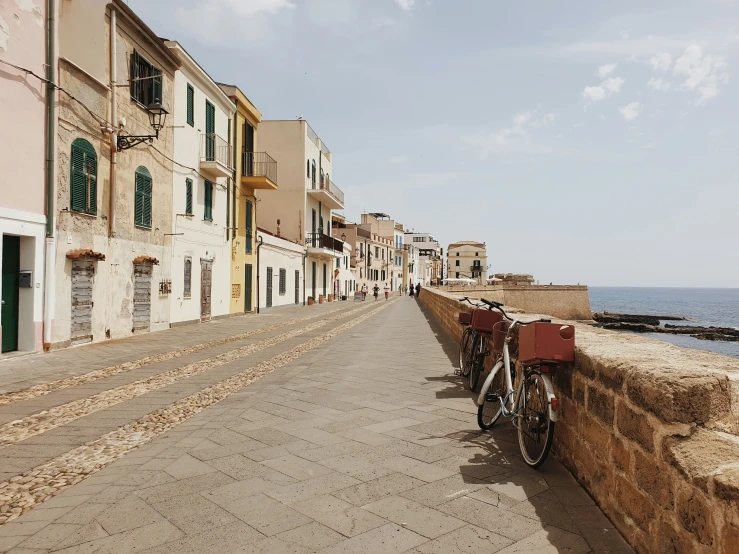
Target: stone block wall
[{"x": 648, "y": 430}]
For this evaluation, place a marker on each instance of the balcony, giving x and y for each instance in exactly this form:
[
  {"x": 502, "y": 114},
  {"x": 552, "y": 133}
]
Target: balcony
[
  {"x": 328, "y": 193},
  {"x": 215, "y": 156},
  {"x": 258, "y": 171},
  {"x": 324, "y": 246}
]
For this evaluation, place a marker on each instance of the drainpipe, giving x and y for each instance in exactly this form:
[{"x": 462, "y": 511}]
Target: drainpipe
[
  {"x": 259, "y": 245},
  {"x": 114, "y": 119},
  {"x": 50, "y": 158},
  {"x": 305, "y": 256}
]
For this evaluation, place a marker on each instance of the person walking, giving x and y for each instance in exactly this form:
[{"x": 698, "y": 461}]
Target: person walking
[
  {"x": 411, "y": 291},
  {"x": 376, "y": 291},
  {"x": 387, "y": 290},
  {"x": 418, "y": 290},
  {"x": 364, "y": 292}
]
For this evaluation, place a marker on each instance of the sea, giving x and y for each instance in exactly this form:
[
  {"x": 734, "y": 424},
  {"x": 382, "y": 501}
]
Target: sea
[{"x": 704, "y": 307}]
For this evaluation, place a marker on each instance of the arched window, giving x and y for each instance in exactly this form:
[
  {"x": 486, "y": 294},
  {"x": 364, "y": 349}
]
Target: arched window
[
  {"x": 313, "y": 173},
  {"x": 307, "y": 168},
  {"x": 83, "y": 177},
  {"x": 142, "y": 205},
  {"x": 188, "y": 277},
  {"x": 322, "y": 178}
]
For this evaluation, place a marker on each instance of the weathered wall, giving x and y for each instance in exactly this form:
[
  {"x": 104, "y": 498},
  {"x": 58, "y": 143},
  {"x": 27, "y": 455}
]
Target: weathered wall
[
  {"x": 643, "y": 428},
  {"x": 563, "y": 301}
]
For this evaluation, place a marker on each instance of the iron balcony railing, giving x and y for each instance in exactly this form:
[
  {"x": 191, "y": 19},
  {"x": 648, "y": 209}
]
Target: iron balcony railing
[
  {"x": 258, "y": 164},
  {"x": 330, "y": 187},
  {"x": 319, "y": 240},
  {"x": 215, "y": 149}
]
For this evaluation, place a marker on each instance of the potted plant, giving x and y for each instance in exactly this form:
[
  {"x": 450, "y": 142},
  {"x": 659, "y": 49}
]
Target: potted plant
[
  {"x": 311, "y": 300},
  {"x": 321, "y": 299},
  {"x": 330, "y": 297}
]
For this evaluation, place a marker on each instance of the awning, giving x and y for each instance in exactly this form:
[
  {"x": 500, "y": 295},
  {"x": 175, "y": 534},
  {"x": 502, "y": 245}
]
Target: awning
[
  {"x": 85, "y": 253},
  {"x": 145, "y": 260}
]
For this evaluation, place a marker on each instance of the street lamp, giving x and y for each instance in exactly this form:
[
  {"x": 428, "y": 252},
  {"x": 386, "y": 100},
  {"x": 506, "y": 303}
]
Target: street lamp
[
  {"x": 343, "y": 237},
  {"x": 157, "y": 117}
]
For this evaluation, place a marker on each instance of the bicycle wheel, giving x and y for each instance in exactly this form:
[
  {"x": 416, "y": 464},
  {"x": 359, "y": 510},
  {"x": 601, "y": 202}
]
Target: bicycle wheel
[
  {"x": 464, "y": 352},
  {"x": 535, "y": 429},
  {"x": 491, "y": 409},
  {"x": 479, "y": 347}
]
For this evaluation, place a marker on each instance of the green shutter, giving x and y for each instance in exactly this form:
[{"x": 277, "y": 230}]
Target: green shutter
[
  {"x": 249, "y": 226},
  {"x": 83, "y": 177},
  {"x": 142, "y": 205},
  {"x": 188, "y": 193},
  {"x": 210, "y": 129},
  {"x": 208, "y": 215},
  {"x": 190, "y": 106}
]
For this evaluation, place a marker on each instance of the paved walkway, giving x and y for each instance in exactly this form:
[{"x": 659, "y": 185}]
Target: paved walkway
[{"x": 351, "y": 435}]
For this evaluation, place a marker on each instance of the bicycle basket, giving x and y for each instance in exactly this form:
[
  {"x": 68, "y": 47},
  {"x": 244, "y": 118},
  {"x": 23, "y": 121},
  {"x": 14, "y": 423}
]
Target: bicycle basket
[
  {"x": 500, "y": 331},
  {"x": 464, "y": 318},
  {"x": 546, "y": 342},
  {"x": 483, "y": 321}
]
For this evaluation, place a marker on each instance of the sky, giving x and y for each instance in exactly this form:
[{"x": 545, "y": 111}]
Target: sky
[{"x": 584, "y": 142}]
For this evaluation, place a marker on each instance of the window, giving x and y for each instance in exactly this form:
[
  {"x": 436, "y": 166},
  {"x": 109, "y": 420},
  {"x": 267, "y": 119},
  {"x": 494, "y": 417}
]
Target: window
[
  {"x": 146, "y": 81},
  {"x": 208, "y": 211},
  {"x": 457, "y": 264},
  {"x": 383, "y": 274},
  {"x": 477, "y": 254},
  {"x": 188, "y": 277},
  {"x": 313, "y": 173},
  {"x": 142, "y": 205},
  {"x": 457, "y": 274},
  {"x": 188, "y": 196},
  {"x": 377, "y": 252},
  {"x": 190, "y": 105},
  {"x": 383, "y": 254},
  {"x": 283, "y": 281},
  {"x": 322, "y": 178},
  {"x": 249, "y": 226},
  {"x": 83, "y": 178},
  {"x": 338, "y": 263},
  {"x": 307, "y": 168},
  {"x": 457, "y": 253},
  {"x": 418, "y": 239}
]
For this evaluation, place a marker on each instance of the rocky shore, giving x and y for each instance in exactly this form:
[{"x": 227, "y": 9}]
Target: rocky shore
[{"x": 651, "y": 324}]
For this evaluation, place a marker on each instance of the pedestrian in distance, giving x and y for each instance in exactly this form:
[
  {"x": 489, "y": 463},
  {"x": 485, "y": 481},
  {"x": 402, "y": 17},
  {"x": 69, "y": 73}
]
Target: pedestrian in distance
[
  {"x": 387, "y": 290},
  {"x": 364, "y": 292},
  {"x": 411, "y": 291},
  {"x": 418, "y": 290},
  {"x": 376, "y": 291}
]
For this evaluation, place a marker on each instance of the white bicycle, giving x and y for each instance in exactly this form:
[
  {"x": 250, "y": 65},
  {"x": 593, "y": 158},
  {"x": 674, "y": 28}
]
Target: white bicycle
[{"x": 523, "y": 391}]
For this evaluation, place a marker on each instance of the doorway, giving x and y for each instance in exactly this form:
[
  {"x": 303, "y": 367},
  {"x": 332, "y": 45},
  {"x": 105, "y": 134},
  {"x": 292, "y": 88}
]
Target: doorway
[
  {"x": 83, "y": 275},
  {"x": 141, "y": 297},
  {"x": 269, "y": 287},
  {"x": 206, "y": 279},
  {"x": 10, "y": 297},
  {"x": 247, "y": 289}
]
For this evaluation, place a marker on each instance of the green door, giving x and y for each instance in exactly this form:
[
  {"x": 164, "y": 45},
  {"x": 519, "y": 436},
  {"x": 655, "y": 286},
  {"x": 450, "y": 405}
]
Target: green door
[
  {"x": 248, "y": 288},
  {"x": 210, "y": 132},
  {"x": 9, "y": 313}
]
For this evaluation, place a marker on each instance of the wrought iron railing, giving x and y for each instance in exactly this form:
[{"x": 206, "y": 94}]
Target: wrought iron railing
[
  {"x": 258, "y": 164},
  {"x": 319, "y": 240},
  {"x": 330, "y": 187},
  {"x": 215, "y": 149}
]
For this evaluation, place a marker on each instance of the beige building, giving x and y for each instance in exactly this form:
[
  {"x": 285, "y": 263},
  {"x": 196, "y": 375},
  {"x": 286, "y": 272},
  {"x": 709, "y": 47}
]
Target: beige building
[
  {"x": 467, "y": 259},
  {"x": 430, "y": 262},
  {"x": 372, "y": 255},
  {"x": 113, "y": 203},
  {"x": 381, "y": 224}
]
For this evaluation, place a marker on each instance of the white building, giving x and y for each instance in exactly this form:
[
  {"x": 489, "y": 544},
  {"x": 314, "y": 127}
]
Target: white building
[
  {"x": 201, "y": 261},
  {"x": 430, "y": 262},
  {"x": 280, "y": 275}
]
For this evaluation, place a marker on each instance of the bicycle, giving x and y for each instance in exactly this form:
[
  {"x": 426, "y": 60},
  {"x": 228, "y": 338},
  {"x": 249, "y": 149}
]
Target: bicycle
[
  {"x": 533, "y": 406},
  {"x": 475, "y": 342}
]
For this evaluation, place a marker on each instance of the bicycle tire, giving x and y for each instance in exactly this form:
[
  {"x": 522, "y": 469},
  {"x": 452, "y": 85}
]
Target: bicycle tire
[
  {"x": 478, "y": 361},
  {"x": 533, "y": 419},
  {"x": 490, "y": 411},
  {"x": 464, "y": 354}
]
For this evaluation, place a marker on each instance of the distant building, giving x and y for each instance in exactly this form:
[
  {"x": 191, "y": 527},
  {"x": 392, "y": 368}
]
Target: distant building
[
  {"x": 430, "y": 261},
  {"x": 373, "y": 260},
  {"x": 467, "y": 259}
]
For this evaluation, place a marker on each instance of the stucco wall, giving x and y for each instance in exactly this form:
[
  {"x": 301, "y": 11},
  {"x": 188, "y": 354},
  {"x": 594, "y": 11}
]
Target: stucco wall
[
  {"x": 279, "y": 254},
  {"x": 646, "y": 427}
]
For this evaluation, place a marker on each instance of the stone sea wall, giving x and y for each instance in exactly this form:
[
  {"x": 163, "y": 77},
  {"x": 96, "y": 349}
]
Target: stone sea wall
[{"x": 650, "y": 430}]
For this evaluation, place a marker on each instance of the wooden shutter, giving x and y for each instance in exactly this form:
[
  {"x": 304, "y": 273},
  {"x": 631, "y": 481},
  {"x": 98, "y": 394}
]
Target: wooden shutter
[
  {"x": 208, "y": 213},
  {"x": 190, "y": 106},
  {"x": 133, "y": 75},
  {"x": 188, "y": 196},
  {"x": 142, "y": 205},
  {"x": 156, "y": 86},
  {"x": 269, "y": 287},
  {"x": 249, "y": 226},
  {"x": 83, "y": 177},
  {"x": 283, "y": 281},
  {"x": 188, "y": 277}
]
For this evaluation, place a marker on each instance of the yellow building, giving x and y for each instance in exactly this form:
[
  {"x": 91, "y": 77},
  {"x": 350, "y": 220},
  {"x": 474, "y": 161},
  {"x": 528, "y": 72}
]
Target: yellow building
[{"x": 252, "y": 170}]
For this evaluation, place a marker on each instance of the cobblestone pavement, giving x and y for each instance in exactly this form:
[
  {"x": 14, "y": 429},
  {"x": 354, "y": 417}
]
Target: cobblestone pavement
[{"x": 280, "y": 433}]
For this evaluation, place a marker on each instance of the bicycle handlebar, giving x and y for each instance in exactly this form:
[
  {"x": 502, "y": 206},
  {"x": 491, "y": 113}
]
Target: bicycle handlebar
[{"x": 499, "y": 306}]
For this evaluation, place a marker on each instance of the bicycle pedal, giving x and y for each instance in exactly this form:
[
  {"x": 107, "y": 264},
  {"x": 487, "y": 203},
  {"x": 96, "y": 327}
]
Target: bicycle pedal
[
  {"x": 457, "y": 372},
  {"x": 492, "y": 398}
]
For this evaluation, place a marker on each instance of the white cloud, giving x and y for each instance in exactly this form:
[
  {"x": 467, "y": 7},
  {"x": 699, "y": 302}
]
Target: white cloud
[
  {"x": 397, "y": 159},
  {"x": 515, "y": 137},
  {"x": 596, "y": 93},
  {"x": 657, "y": 83},
  {"x": 703, "y": 73},
  {"x": 248, "y": 8},
  {"x": 649, "y": 146},
  {"x": 605, "y": 70},
  {"x": 613, "y": 84},
  {"x": 406, "y": 5},
  {"x": 631, "y": 111},
  {"x": 661, "y": 62}
]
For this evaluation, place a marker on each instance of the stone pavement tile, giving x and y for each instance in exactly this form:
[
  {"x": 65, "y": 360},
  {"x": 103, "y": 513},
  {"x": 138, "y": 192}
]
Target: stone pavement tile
[
  {"x": 365, "y": 436},
  {"x": 315, "y": 436},
  {"x": 238, "y": 466},
  {"x": 84, "y": 534},
  {"x": 239, "y": 489},
  {"x": 556, "y": 475},
  {"x": 295, "y": 467},
  {"x": 184, "y": 486},
  {"x": 113, "y": 494},
  {"x": 370, "y": 414},
  {"x": 129, "y": 541},
  {"x": 418, "y": 518},
  {"x": 313, "y": 536},
  {"x": 498, "y": 520},
  {"x": 392, "y": 425},
  {"x": 441, "y": 491},
  {"x": 323, "y": 452},
  {"x": 339, "y": 515},
  {"x": 270, "y": 437},
  {"x": 127, "y": 515},
  {"x": 272, "y": 452},
  {"x": 228, "y": 437},
  {"x": 50, "y": 536},
  {"x": 596, "y": 529},
  {"x": 547, "y": 508},
  {"x": 344, "y": 424},
  {"x": 520, "y": 486},
  {"x": 388, "y": 539},
  {"x": 465, "y": 540},
  {"x": 264, "y": 514},
  {"x": 84, "y": 513},
  {"x": 43, "y": 513},
  {"x": 64, "y": 500},
  {"x": 420, "y": 439},
  {"x": 371, "y": 491},
  {"x": 273, "y": 545},
  {"x": 302, "y": 490},
  {"x": 476, "y": 470},
  {"x": 549, "y": 540},
  {"x": 142, "y": 478},
  {"x": 573, "y": 496},
  {"x": 493, "y": 498},
  {"x": 415, "y": 468},
  {"x": 224, "y": 538},
  {"x": 357, "y": 467},
  {"x": 15, "y": 532},
  {"x": 193, "y": 513}
]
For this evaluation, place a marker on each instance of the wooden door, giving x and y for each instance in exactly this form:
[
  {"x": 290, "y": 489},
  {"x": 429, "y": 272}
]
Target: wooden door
[
  {"x": 269, "y": 287},
  {"x": 142, "y": 297},
  {"x": 206, "y": 279},
  {"x": 248, "y": 287},
  {"x": 9, "y": 299},
  {"x": 83, "y": 274},
  {"x": 297, "y": 286}
]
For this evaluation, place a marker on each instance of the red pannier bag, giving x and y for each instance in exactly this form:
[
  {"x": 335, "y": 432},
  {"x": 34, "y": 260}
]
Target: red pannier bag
[
  {"x": 541, "y": 343},
  {"x": 464, "y": 318},
  {"x": 483, "y": 321}
]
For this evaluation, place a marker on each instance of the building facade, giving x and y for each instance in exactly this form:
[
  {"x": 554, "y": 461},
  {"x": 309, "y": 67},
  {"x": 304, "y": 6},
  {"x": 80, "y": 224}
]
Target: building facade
[
  {"x": 200, "y": 263},
  {"x": 467, "y": 259},
  {"x": 280, "y": 274},
  {"x": 381, "y": 224},
  {"x": 23, "y": 158},
  {"x": 113, "y": 202},
  {"x": 430, "y": 261},
  {"x": 301, "y": 209},
  {"x": 254, "y": 170}
]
